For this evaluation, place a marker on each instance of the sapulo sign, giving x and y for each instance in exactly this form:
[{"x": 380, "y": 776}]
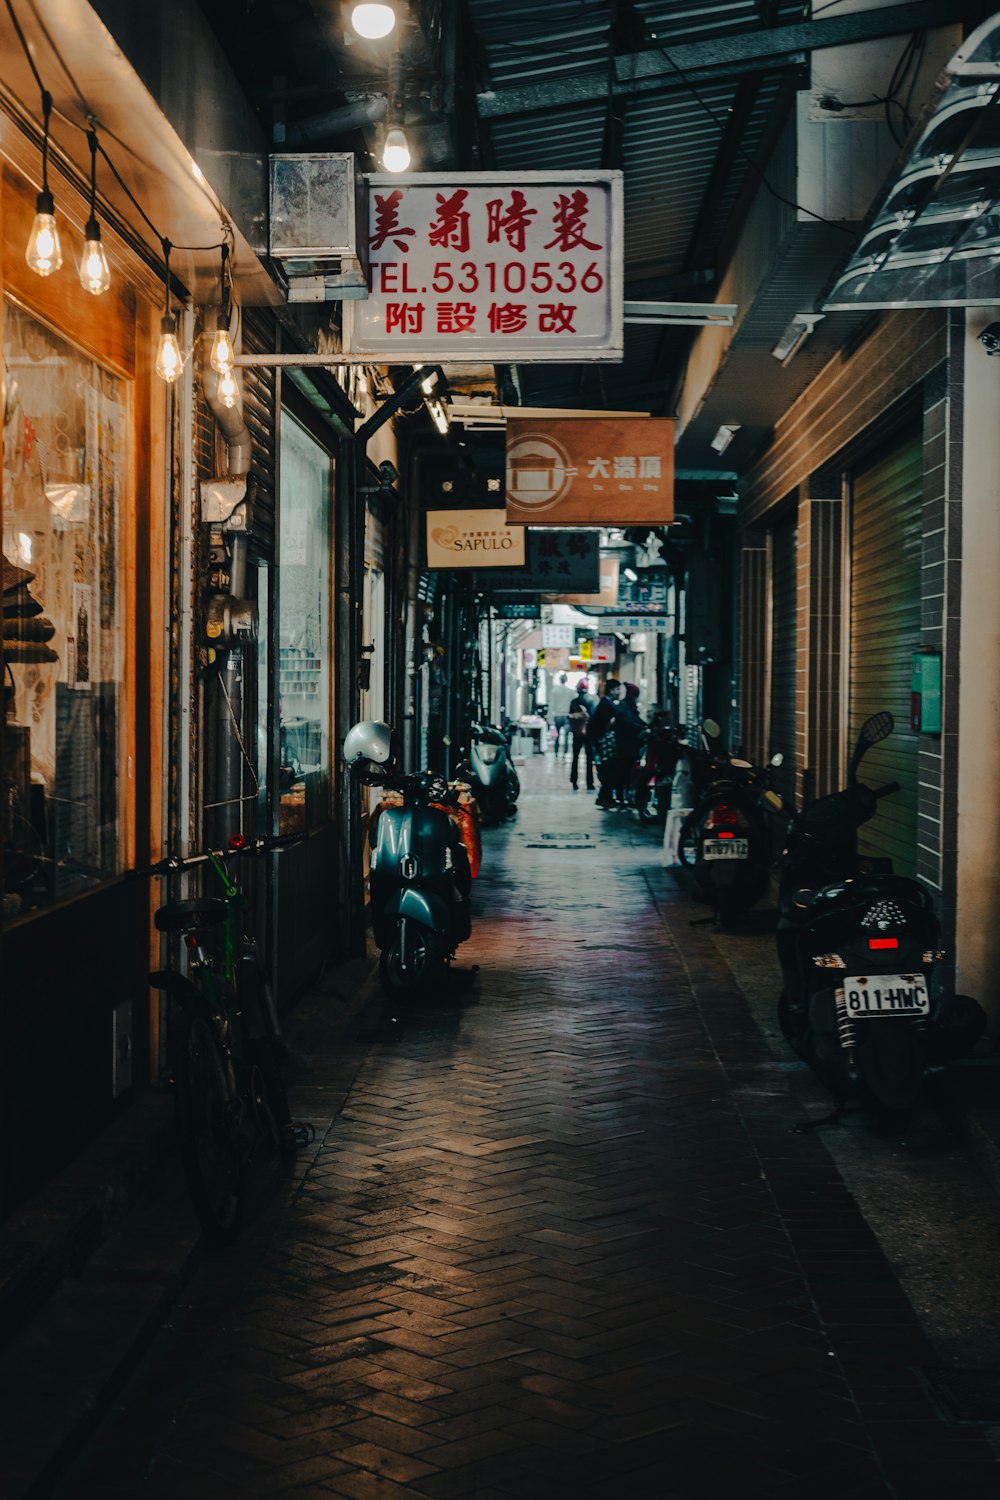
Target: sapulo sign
[
  {"x": 605, "y": 471},
  {"x": 494, "y": 266},
  {"x": 472, "y": 539}
]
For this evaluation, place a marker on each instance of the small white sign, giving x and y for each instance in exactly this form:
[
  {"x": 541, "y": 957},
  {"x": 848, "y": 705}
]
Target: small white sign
[
  {"x": 558, "y": 635},
  {"x": 473, "y": 539}
]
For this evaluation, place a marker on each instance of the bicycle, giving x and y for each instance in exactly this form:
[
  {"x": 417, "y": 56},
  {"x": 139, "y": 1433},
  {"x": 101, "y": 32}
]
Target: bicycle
[{"x": 223, "y": 1043}]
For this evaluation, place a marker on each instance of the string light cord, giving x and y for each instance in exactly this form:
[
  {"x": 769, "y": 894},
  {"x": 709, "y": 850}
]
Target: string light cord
[{"x": 89, "y": 129}]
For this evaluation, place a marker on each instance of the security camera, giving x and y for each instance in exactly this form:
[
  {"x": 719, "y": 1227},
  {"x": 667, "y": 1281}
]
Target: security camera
[
  {"x": 990, "y": 338},
  {"x": 388, "y": 473}
]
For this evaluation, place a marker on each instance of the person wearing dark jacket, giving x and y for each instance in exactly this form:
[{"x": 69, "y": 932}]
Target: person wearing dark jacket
[
  {"x": 601, "y": 738},
  {"x": 628, "y": 725},
  {"x": 580, "y": 711}
]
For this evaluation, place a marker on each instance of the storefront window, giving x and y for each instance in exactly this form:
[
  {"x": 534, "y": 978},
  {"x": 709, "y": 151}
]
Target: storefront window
[
  {"x": 64, "y": 429},
  {"x": 304, "y": 630}
]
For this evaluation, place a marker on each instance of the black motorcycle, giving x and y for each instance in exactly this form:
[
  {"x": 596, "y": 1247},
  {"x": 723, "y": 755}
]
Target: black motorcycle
[
  {"x": 858, "y": 946},
  {"x": 420, "y": 871},
  {"x": 726, "y": 841}
]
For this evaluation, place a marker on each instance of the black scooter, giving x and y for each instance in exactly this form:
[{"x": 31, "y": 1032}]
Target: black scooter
[
  {"x": 419, "y": 877},
  {"x": 858, "y": 946},
  {"x": 726, "y": 839}
]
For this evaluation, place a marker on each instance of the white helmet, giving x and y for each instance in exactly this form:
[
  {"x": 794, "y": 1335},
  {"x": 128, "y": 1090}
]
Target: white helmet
[{"x": 369, "y": 740}]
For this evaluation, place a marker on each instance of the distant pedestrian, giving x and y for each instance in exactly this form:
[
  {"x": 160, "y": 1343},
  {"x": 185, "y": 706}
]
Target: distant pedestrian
[
  {"x": 601, "y": 737},
  {"x": 560, "y": 699},
  {"x": 580, "y": 711},
  {"x": 629, "y": 726}
]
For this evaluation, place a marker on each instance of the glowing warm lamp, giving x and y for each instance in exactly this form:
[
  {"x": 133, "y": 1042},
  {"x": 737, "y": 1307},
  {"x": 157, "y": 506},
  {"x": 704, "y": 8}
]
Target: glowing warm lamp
[
  {"x": 94, "y": 271},
  {"x": 44, "y": 252},
  {"x": 168, "y": 351},
  {"x": 228, "y": 389},
  {"x": 223, "y": 354},
  {"x": 395, "y": 152},
  {"x": 373, "y": 21}
]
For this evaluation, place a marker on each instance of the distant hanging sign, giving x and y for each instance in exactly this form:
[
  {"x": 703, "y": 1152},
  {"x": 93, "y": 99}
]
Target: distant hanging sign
[
  {"x": 608, "y": 471},
  {"x": 493, "y": 266},
  {"x": 564, "y": 560}
]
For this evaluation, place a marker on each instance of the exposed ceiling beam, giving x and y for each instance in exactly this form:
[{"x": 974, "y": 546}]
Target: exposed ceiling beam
[{"x": 657, "y": 68}]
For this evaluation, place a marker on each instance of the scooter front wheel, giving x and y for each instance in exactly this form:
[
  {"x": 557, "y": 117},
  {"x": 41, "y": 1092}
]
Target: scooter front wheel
[{"x": 411, "y": 960}]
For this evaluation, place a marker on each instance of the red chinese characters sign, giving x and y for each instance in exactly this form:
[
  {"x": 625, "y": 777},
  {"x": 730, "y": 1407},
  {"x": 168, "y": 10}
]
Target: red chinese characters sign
[
  {"x": 605, "y": 471},
  {"x": 491, "y": 266}
]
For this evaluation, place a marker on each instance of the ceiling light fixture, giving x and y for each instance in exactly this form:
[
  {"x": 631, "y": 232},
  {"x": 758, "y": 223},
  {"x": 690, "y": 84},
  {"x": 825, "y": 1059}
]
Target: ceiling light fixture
[
  {"x": 93, "y": 270},
  {"x": 44, "y": 253},
  {"x": 795, "y": 336},
  {"x": 396, "y": 151},
  {"x": 631, "y": 575},
  {"x": 373, "y": 21},
  {"x": 724, "y": 436}
]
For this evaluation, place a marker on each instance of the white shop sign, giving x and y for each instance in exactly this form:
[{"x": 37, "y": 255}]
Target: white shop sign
[
  {"x": 558, "y": 635},
  {"x": 492, "y": 265}
]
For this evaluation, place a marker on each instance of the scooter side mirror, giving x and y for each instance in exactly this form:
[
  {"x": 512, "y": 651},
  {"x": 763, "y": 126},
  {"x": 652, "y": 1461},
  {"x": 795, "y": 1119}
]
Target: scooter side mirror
[
  {"x": 712, "y": 728},
  {"x": 777, "y": 759},
  {"x": 872, "y": 731},
  {"x": 877, "y": 728}
]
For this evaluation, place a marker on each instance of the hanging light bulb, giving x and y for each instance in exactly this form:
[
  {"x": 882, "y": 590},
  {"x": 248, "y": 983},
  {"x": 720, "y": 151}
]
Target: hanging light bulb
[
  {"x": 44, "y": 252},
  {"x": 223, "y": 354},
  {"x": 93, "y": 270},
  {"x": 168, "y": 351},
  {"x": 228, "y": 389},
  {"x": 395, "y": 152},
  {"x": 169, "y": 360},
  {"x": 373, "y": 21}
]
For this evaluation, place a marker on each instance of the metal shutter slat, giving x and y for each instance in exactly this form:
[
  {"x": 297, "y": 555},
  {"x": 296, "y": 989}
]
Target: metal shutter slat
[{"x": 885, "y": 630}]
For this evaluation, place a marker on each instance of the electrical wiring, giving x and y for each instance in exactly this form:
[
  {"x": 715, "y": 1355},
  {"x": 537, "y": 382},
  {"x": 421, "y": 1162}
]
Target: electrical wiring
[{"x": 741, "y": 150}]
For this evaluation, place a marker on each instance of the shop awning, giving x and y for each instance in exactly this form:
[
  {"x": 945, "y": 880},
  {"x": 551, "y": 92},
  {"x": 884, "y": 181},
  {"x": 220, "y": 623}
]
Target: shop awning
[{"x": 935, "y": 239}]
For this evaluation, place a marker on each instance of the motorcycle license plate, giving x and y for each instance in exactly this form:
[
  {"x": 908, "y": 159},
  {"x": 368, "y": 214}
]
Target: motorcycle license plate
[
  {"x": 887, "y": 995},
  {"x": 727, "y": 848}
]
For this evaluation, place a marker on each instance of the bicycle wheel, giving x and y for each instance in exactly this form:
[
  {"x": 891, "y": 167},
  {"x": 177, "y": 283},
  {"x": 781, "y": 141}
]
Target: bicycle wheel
[{"x": 207, "y": 1128}]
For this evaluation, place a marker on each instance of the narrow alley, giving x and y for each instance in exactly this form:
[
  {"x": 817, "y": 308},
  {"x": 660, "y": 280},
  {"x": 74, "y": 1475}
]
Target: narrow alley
[{"x": 561, "y": 1239}]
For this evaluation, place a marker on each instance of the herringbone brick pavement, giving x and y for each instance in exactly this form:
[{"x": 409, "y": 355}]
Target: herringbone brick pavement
[{"x": 561, "y": 1240}]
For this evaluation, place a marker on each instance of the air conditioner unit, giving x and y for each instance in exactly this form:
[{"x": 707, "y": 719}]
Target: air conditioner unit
[{"x": 314, "y": 218}]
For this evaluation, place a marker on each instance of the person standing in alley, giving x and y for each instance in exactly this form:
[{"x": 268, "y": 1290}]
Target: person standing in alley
[
  {"x": 560, "y": 698},
  {"x": 601, "y": 737},
  {"x": 580, "y": 711},
  {"x": 628, "y": 725}
]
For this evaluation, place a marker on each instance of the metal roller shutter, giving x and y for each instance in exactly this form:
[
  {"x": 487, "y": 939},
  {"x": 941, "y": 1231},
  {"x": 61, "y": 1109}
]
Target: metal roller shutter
[
  {"x": 885, "y": 630},
  {"x": 781, "y": 736}
]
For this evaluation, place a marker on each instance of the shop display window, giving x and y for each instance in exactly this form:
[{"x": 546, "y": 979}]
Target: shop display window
[
  {"x": 64, "y": 461},
  {"x": 304, "y": 630}
]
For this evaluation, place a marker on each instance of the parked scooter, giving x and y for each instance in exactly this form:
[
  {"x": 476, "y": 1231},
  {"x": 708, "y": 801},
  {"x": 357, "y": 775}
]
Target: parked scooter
[
  {"x": 489, "y": 770},
  {"x": 423, "y": 856},
  {"x": 858, "y": 946},
  {"x": 726, "y": 839},
  {"x": 652, "y": 774}
]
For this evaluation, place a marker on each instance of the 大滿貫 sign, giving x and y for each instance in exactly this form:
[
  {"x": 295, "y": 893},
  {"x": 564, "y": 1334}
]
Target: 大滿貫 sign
[{"x": 605, "y": 471}]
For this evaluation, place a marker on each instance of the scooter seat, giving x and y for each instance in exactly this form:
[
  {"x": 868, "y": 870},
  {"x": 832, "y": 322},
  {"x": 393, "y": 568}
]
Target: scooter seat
[{"x": 188, "y": 916}]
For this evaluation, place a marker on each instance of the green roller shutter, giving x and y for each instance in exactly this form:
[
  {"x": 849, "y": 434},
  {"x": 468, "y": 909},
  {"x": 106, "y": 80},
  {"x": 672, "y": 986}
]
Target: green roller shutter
[
  {"x": 885, "y": 630},
  {"x": 783, "y": 654}
]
